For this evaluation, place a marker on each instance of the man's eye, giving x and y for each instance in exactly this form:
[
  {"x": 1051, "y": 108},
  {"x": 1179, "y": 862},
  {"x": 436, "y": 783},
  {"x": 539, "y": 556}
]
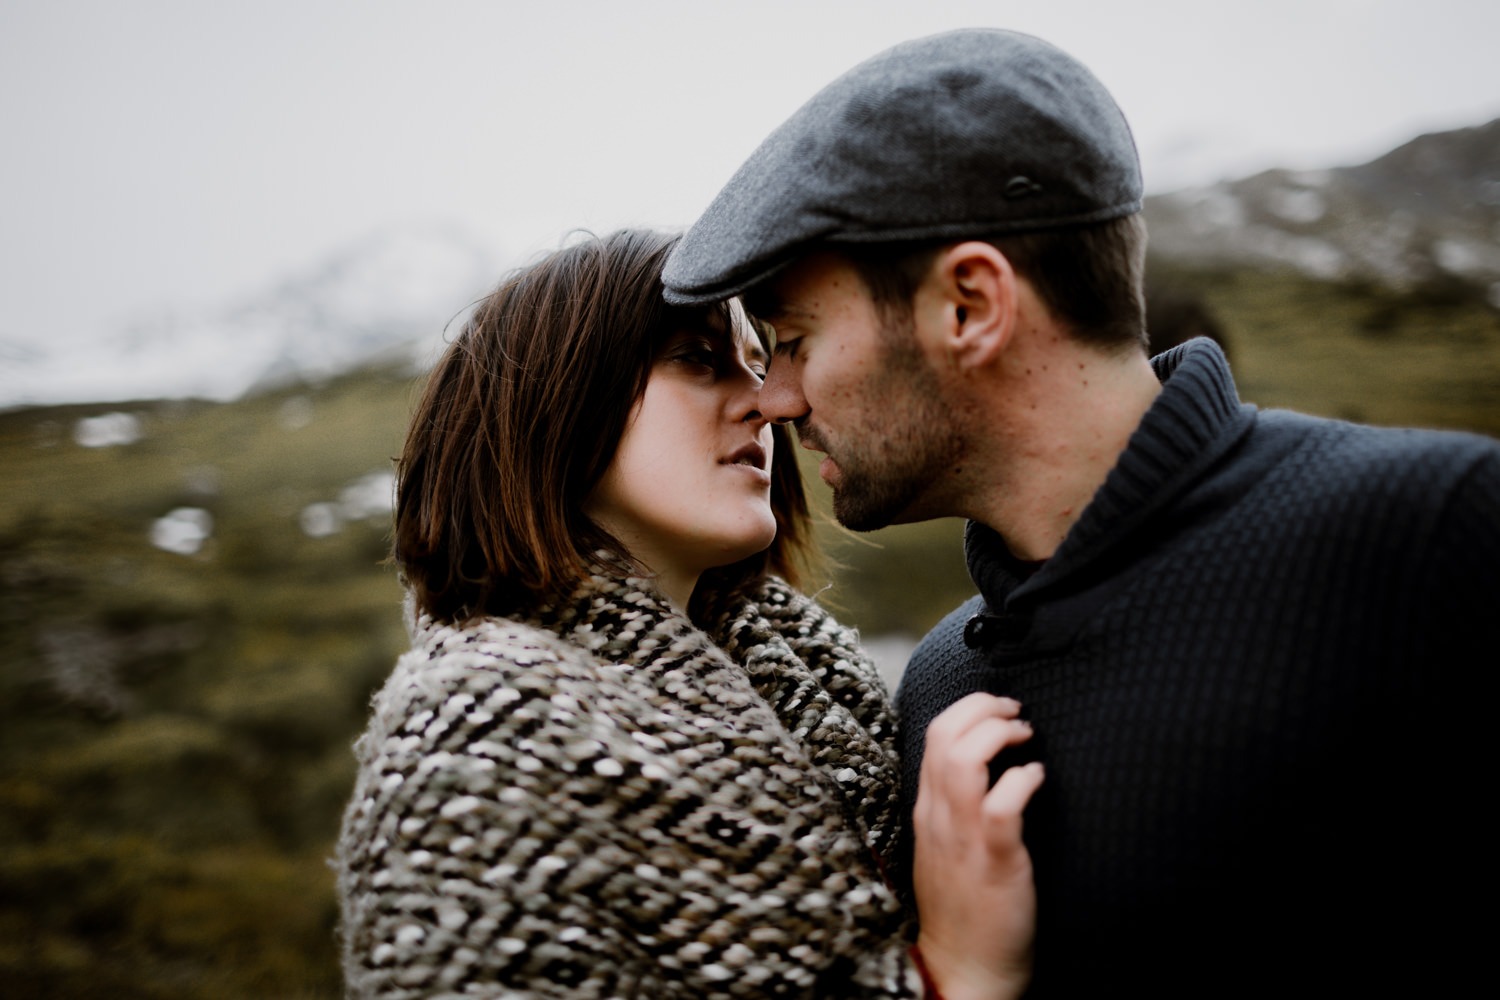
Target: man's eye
[{"x": 788, "y": 348}]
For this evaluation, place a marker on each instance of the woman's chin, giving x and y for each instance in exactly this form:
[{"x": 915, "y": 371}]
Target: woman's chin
[{"x": 751, "y": 543}]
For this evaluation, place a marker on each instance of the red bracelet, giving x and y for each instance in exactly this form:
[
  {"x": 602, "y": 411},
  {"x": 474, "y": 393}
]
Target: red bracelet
[{"x": 929, "y": 985}]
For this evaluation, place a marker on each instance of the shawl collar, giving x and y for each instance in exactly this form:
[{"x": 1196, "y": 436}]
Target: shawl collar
[{"x": 769, "y": 659}]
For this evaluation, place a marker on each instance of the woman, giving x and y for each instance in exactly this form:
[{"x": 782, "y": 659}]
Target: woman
[{"x": 623, "y": 756}]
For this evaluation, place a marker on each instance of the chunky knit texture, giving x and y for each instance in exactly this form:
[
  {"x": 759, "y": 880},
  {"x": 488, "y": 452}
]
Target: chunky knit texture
[
  {"x": 1254, "y": 668},
  {"x": 601, "y": 800}
]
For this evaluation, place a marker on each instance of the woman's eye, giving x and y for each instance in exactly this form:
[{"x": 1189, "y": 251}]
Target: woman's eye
[{"x": 702, "y": 356}]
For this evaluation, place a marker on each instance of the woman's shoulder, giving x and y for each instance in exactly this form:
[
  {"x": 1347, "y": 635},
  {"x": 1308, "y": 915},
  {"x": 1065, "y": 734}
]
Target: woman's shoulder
[
  {"x": 489, "y": 644},
  {"x": 451, "y": 665}
]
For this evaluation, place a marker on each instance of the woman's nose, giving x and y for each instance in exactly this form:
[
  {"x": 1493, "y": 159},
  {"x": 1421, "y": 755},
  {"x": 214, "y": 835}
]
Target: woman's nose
[{"x": 746, "y": 406}]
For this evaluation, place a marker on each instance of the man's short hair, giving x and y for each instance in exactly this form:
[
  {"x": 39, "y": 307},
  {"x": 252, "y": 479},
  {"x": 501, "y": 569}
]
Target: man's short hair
[{"x": 1091, "y": 278}]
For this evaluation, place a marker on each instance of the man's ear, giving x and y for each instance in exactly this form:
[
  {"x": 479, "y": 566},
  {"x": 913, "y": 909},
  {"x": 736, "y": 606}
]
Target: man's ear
[{"x": 971, "y": 302}]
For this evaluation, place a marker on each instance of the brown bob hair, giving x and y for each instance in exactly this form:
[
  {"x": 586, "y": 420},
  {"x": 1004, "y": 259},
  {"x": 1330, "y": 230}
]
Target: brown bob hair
[{"x": 522, "y": 415}]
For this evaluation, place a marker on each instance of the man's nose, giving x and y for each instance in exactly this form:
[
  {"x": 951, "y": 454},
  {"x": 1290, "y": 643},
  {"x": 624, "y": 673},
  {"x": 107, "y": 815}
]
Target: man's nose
[{"x": 781, "y": 399}]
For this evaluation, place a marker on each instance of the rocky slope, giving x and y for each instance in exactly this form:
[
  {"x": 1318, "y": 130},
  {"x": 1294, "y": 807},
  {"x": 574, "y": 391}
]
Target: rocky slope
[{"x": 1426, "y": 214}]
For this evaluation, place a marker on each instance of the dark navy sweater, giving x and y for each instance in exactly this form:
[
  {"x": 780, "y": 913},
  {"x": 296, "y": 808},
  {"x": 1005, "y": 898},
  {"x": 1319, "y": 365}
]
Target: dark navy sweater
[{"x": 1255, "y": 668}]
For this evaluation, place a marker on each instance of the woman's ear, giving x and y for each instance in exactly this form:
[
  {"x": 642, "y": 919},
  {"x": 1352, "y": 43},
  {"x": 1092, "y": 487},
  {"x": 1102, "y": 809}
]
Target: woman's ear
[{"x": 972, "y": 302}]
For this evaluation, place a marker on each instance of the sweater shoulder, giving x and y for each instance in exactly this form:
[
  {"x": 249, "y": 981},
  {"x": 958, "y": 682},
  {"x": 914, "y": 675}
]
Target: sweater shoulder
[
  {"x": 1379, "y": 444},
  {"x": 449, "y": 665},
  {"x": 1409, "y": 465}
]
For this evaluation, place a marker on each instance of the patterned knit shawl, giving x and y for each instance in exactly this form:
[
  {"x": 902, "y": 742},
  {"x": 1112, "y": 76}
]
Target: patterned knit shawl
[{"x": 602, "y": 800}]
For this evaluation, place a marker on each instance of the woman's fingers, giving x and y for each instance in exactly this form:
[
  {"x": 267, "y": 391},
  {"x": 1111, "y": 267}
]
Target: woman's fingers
[
  {"x": 1015, "y": 788},
  {"x": 957, "y": 809},
  {"x": 962, "y": 765},
  {"x": 962, "y": 714},
  {"x": 962, "y": 741},
  {"x": 971, "y": 869},
  {"x": 1003, "y": 805}
]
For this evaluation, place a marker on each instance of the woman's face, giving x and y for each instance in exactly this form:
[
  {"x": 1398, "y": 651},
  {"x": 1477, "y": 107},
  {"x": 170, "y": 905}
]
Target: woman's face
[{"x": 689, "y": 487}]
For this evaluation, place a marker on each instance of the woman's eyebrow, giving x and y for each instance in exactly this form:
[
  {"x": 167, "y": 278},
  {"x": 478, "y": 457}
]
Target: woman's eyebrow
[{"x": 750, "y": 346}]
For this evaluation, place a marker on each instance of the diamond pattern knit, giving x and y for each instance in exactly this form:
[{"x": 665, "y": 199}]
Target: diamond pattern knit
[{"x": 602, "y": 800}]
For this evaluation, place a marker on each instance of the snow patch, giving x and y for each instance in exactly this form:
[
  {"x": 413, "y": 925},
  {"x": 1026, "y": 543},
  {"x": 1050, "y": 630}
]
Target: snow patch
[
  {"x": 1210, "y": 209},
  {"x": 370, "y": 497},
  {"x": 1307, "y": 254},
  {"x": 1297, "y": 204},
  {"x": 296, "y": 413},
  {"x": 107, "y": 430},
  {"x": 320, "y": 520},
  {"x": 1467, "y": 257},
  {"x": 183, "y": 530}
]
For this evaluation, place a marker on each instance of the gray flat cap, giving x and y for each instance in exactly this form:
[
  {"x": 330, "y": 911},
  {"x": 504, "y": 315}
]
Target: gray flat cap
[{"x": 977, "y": 132}]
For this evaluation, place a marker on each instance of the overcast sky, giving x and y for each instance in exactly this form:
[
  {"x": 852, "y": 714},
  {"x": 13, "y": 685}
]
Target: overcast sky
[{"x": 178, "y": 154}]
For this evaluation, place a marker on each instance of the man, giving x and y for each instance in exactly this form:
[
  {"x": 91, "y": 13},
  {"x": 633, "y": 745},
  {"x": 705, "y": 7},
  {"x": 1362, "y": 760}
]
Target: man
[{"x": 1250, "y": 643}]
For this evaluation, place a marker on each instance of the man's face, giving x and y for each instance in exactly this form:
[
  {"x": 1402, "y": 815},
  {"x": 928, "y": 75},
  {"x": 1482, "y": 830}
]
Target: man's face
[{"x": 854, "y": 381}]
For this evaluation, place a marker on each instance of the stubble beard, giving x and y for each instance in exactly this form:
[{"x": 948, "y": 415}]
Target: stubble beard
[{"x": 888, "y": 466}]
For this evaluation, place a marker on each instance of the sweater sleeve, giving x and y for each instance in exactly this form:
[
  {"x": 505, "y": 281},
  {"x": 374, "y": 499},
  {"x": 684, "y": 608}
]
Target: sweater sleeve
[{"x": 528, "y": 822}]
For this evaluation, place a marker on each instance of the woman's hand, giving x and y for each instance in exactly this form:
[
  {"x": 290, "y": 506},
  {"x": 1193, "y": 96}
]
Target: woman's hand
[{"x": 975, "y": 894}]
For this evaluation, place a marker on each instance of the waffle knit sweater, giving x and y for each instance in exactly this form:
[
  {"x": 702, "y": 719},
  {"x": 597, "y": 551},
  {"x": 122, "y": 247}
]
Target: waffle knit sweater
[
  {"x": 602, "y": 800},
  {"x": 1254, "y": 667}
]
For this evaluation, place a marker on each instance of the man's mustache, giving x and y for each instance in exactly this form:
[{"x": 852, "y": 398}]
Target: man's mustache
[{"x": 807, "y": 436}]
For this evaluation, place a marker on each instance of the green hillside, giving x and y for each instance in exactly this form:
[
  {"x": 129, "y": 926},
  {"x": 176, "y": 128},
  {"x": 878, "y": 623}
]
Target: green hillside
[{"x": 175, "y": 729}]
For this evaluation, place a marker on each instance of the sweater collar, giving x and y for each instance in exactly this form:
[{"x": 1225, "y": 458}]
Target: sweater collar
[{"x": 1197, "y": 417}]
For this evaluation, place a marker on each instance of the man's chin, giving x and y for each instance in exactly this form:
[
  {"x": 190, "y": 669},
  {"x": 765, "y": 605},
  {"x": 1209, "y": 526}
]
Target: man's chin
[
  {"x": 859, "y": 508},
  {"x": 855, "y": 511}
]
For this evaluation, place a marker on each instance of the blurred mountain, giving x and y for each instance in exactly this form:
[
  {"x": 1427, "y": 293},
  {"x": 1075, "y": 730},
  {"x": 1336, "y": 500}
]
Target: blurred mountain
[
  {"x": 387, "y": 296},
  {"x": 1425, "y": 215}
]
